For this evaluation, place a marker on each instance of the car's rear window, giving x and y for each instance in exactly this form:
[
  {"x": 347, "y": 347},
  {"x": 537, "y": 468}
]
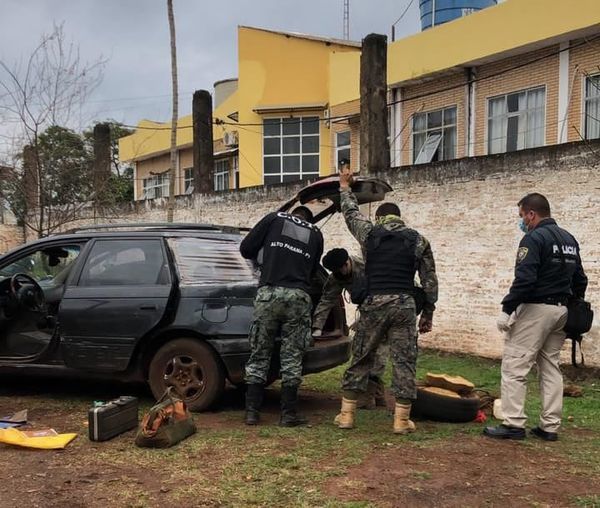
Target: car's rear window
[{"x": 202, "y": 261}]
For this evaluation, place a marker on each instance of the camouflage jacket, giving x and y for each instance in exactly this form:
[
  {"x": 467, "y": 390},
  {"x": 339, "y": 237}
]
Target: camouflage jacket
[
  {"x": 332, "y": 290},
  {"x": 360, "y": 227}
]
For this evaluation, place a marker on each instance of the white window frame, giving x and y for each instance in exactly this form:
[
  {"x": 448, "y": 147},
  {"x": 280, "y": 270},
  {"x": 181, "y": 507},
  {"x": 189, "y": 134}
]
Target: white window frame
[
  {"x": 188, "y": 180},
  {"x": 524, "y": 113},
  {"x": 301, "y": 174},
  {"x": 235, "y": 163},
  {"x": 221, "y": 175},
  {"x": 156, "y": 186},
  {"x": 422, "y": 156},
  {"x": 587, "y": 99},
  {"x": 339, "y": 148}
]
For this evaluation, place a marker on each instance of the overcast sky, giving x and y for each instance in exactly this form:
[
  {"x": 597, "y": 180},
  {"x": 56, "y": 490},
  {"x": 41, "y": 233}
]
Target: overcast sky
[{"x": 134, "y": 36}]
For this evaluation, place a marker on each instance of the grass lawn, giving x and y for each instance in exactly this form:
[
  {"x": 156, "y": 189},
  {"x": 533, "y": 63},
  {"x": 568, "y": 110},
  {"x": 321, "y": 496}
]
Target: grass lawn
[{"x": 271, "y": 466}]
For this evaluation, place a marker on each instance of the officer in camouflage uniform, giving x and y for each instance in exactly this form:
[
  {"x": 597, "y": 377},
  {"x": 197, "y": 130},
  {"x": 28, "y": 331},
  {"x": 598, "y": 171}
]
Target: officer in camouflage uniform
[
  {"x": 291, "y": 247},
  {"x": 347, "y": 271},
  {"x": 394, "y": 253}
]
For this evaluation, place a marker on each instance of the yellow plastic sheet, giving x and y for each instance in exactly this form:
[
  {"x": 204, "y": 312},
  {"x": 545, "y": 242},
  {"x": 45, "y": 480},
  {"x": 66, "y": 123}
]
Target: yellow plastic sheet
[{"x": 17, "y": 438}]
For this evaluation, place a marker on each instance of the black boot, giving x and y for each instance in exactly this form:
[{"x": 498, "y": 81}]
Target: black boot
[
  {"x": 289, "y": 400},
  {"x": 254, "y": 398}
]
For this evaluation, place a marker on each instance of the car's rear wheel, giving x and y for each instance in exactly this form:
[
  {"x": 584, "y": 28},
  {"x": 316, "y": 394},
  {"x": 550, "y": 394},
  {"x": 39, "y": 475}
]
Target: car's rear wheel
[{"x": 191, "y": 368}]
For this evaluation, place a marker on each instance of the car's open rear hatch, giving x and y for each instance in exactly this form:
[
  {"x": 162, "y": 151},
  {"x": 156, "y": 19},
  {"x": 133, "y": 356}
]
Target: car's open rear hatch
[{"x": 326, "y": 192}]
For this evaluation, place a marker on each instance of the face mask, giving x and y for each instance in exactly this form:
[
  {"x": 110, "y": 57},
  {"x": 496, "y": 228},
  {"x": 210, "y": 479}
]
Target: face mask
[
  {"x": 384, "y": 219},
  {"x": 522, "y": 226}
]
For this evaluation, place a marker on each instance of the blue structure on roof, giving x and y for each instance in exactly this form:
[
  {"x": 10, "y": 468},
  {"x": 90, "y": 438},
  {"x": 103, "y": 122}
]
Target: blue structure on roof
[{"x": 436, "y": 12}]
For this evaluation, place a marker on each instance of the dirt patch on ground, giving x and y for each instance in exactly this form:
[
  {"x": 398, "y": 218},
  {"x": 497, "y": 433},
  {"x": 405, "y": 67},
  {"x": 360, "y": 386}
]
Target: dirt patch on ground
[
  {"x": 470, "y": 471},
  {"x": 465, "y": 471},
  {"x": 115, "y": 473}
]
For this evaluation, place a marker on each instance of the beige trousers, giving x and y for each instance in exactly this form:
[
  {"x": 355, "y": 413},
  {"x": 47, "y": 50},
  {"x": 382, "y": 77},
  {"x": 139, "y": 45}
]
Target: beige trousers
[{"x": 535, "y": 337}]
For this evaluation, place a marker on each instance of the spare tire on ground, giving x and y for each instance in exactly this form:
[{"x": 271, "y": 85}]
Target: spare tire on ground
[{"x": 444, "y": 405}]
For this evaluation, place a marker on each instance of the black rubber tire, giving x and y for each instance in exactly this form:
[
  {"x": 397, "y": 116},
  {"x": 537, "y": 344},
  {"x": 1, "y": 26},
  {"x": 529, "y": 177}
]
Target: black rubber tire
[
  {"x": 207, "y": 370},
  {"x": 433, "y": 406}
]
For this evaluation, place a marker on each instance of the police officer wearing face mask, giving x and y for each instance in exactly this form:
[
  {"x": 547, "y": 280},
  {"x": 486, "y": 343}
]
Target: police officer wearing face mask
[{"x": 548, "y": 272}]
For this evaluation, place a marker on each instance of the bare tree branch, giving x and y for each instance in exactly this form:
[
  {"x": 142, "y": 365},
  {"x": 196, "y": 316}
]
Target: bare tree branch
[{"x": 46, "y": 91}]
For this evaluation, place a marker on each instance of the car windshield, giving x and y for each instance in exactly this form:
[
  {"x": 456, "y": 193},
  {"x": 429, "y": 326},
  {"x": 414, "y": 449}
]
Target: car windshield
[
  {"x": 202, "y": 261},
  {"x": 48, "y": 266}
]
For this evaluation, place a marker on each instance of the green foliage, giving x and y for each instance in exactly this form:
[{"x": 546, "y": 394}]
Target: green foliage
[
  {"x": 66, "y": 166},
  {"x": 65, "y": 159}
]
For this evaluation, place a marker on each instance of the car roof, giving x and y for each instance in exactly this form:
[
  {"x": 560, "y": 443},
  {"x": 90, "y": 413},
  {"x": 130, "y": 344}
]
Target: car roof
[{"x": 142, "y": 230}]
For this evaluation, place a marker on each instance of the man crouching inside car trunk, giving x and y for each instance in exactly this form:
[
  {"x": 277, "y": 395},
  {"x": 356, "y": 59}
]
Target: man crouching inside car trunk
[{"x": 291, "y": 249}]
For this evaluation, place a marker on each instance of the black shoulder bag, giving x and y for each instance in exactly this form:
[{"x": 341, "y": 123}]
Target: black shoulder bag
[{"x": 579, "y": 313}]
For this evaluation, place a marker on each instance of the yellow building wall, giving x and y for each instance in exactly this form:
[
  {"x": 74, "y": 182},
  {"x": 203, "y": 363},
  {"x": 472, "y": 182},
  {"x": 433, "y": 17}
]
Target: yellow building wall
[
  {"x": 155, "y": 137},
  {"x": 344, "y": 76},
  {"x": 504, "y": 27},
  {"x": 278, "y": 69}
]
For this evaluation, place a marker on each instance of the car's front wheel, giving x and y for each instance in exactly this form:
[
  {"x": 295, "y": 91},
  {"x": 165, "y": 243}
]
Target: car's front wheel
[{"x": 191, "y": 368}]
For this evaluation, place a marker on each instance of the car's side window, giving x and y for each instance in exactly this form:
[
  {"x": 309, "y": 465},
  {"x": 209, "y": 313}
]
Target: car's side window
[
  {"x": 124, "y": 263},
  {"x": 210, "y": 261},
  {"x": 49, "y": 265}
]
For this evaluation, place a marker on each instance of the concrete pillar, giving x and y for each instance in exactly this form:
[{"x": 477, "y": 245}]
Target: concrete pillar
[
  {"x": 374, "y": 143},
  {"x": 30, "y": 179},
  {"x": 101, "y": 167},
  {"x": 203, "y": 142}
]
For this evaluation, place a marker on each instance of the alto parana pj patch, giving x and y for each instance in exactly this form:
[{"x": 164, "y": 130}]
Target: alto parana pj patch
[{"x": 522, "y": 254}]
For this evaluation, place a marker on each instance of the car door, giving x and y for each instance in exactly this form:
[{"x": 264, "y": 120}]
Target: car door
[
  {"x": 27, "y": 334},
  {"x": 119, "y": 295}
]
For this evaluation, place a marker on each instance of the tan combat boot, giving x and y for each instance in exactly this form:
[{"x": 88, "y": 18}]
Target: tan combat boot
[
  {"x": 402, "y": 423},
  {"x": 345, "y": 419}
]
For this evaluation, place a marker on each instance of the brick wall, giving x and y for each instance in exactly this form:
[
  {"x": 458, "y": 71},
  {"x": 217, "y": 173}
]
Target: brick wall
[
  {"x": 467, "y": 209},
  {"x": 583, "y": 61},
  {"x": 10, "y": 236},
  {"x": 439, "y": 100},
  {"x": 544, "y": 72}
]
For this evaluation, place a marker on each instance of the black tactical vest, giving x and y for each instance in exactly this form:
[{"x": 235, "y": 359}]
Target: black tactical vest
[{"x": 391, "y": 261}]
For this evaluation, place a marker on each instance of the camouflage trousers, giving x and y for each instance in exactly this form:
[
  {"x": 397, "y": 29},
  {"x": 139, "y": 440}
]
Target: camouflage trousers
[
  {"x": 284, "y": 312},
  {"x": 380, "y": 356},
  {"x": 387, "y": 320}
]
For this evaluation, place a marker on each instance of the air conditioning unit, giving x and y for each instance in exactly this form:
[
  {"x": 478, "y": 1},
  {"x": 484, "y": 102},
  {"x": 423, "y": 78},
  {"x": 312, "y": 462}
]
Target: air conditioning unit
[{"x": 230, "y": 138}]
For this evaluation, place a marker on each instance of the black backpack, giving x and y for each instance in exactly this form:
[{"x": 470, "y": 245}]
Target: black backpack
[{"x": 579, "y": 317}]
